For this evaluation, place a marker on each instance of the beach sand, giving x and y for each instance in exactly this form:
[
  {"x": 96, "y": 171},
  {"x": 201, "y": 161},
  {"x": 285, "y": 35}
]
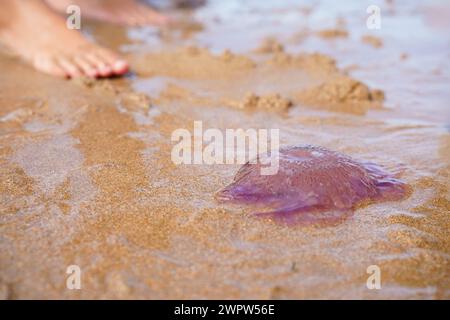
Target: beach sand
[{"x": 86, "y": 176}]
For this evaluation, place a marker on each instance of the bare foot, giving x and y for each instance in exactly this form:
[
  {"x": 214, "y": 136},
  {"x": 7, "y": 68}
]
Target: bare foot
[
  {"x": 40, "y": 36},
  {"x": 123, "y": 12}
]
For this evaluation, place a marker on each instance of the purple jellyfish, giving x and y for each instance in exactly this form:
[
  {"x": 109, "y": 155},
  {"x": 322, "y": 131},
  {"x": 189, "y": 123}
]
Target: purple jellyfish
[{"x": 312, "y": 186}]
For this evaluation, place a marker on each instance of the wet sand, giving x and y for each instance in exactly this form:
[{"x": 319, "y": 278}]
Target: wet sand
[{"x": 87, "y": 178}]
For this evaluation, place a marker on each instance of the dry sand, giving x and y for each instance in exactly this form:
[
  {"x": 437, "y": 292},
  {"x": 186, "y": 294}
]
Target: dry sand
[{"x": 87, "y": 179}]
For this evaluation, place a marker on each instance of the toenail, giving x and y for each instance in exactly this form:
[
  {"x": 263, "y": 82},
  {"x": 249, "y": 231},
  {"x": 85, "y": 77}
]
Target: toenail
[{"x": 121, "y": 65}]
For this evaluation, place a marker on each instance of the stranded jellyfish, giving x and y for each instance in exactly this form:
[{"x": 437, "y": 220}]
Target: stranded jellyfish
[{"x": 312, "y": 186}]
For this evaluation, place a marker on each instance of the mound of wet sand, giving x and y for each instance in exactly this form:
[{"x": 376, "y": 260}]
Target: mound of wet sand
[
  {"x": 373, "y": 41},
  {"x": 315, "y": 64},
  {"x": 332, "y": 33},
  {"x": 192, "y": 63},
  {"x": 273, "y": 102},
  {"x": 270, "y": 45},
  {"x": 234, "y": 73},
  {"x": 342, "y": 92}
]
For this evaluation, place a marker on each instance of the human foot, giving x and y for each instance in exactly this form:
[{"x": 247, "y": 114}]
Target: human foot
[
  {"x": 123, "y": 12},
  {"x": 40, "y": 36}
]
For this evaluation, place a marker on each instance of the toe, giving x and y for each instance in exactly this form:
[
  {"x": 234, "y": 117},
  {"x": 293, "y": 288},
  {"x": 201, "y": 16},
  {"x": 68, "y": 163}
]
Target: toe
[
  {"x": 89, "y": 69},
  {"x": 69, "y": 66},
  {"x": 103, "y": 67},
  {"x": 118, "y": 65}
]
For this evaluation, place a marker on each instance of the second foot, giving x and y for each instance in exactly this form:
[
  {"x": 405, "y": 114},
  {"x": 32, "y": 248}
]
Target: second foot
[{"x": 123, "y": 12}]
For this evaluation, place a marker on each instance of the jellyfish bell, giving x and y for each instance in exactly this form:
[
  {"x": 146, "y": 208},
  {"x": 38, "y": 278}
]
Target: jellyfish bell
[{"x": 312, "y": 185}]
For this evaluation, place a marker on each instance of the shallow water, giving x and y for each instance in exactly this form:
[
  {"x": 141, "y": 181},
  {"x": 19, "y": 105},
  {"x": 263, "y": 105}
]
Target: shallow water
[{"x": 86, "y": 176}]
